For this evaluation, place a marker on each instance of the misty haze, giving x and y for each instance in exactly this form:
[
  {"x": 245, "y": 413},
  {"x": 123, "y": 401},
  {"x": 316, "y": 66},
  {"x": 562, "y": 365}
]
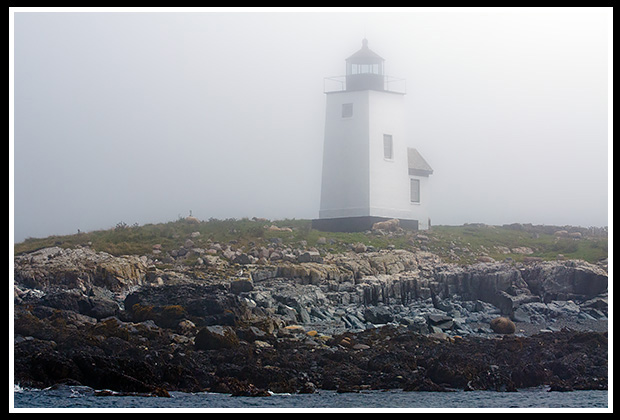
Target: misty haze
[
  {"x": 144, "y": 117},
  {"x": 352, "y": 209}
]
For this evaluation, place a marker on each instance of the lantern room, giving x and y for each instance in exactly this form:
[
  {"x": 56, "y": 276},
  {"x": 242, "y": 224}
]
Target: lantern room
[{"x": 365, "y": 70}]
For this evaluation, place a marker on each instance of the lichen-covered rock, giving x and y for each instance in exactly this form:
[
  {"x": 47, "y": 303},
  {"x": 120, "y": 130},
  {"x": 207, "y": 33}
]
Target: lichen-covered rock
[{"x": 79, "y": 268}]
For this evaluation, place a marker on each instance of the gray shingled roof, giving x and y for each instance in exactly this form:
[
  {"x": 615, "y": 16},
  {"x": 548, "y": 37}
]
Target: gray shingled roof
[{"x": 417, "y": 164}]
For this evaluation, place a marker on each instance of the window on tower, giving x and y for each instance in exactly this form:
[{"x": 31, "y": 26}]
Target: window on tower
[
  {"x": 388, "y": 149},
  {"x": 415, "y": 190},
  {"x": 347, "y": 110},
  {"x": 364, "y": 68}
]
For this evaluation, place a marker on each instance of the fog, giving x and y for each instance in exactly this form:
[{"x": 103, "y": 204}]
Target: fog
[{"x": 143, "y": 117}]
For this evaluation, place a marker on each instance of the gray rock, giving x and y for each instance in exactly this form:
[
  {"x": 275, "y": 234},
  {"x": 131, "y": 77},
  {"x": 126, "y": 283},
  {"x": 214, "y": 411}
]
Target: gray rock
[
  {"x": 563, "y": 309},
  {"x": 241, "y": 286},
  {"x": 599, "y": 302},
  {"x": 594, "y": 313},
  {"x": 359, "y": 247},
  {"x": 79, "y": 268},
  {"x": 521, "y": 315},
  {"x": 436, "y": 319},
  {"x": 242, "y": 259},
  {"x": 303, "y": 315},
  {"x": 346, "y": 290},
  {"x": 378, "y": 315},
  {"x": 275, "y": 256},
  {"x": 562, "y": 280},
  {"x": 418, "y": 324},
  {"x": 229, "y": 254},
  {"x": 99, "y": 308},
  {"x": 251, "y": 334},
  {"x": 310, "y": 256},
  {"x": 216, "y": 337},
  {"x": 353, "y": 322}
]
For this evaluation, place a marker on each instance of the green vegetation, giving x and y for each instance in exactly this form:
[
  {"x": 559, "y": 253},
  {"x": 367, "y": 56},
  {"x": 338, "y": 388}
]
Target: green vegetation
[
  {"x": 461, "y": 244},
  {"x": 468, "y": 242}
]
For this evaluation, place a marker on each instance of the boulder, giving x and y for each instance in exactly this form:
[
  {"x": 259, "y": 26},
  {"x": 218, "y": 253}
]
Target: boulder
[
  {"x": 438, "y": 322},
  {"x": 391, "y": 225},
  {"x": 353, "y": 322},
  {"x": 241, "y": 285},
  {"x": 522, "y": 250},
  {"x": 417, "y": 324},
  {"x": 186, "y": 327},
  {"x": 359, "y": 247},
  {"x": 229, "y": 254},
  {"x": 378, "y": 315},
  {"x": 307, "y": 388},
  {"x": 275, "y": 256},
  {"x": 564, "y": 280},
  {"x": 502, "y": 325},
  {"x": 216, "y": 337},
  {"x": 251, "y": 334},
  {"x": 562, "y": 309},
  {"x": 192, "y": 220},
  {"x": 598, "y": 302},
  {"x": 310, "y": 256},
  {"x": 242, "y": 259},
  {"x": 99, "y": 307}
]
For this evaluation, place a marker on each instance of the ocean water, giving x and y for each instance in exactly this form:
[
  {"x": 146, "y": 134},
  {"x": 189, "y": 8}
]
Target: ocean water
[{"x": 75, "y": 397}]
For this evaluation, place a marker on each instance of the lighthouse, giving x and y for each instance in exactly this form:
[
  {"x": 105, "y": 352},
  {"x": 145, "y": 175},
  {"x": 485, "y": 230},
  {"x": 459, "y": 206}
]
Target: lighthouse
[{"x": 369, "y": 172}]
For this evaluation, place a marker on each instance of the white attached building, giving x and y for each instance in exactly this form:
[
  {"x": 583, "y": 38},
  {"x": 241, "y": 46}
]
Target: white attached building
[{"x": 369, "y": 172}]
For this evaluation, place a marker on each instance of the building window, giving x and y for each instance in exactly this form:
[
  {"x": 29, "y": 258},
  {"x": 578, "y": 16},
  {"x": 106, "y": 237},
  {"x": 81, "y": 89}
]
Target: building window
[
  {"x": 388, "y": 149},
  {"x": 415, "y": 190},
  {"x": 347, "y": 110}
]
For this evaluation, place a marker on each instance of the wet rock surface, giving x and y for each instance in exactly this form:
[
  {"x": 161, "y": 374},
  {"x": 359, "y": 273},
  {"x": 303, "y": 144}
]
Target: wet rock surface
[{"x": 365, "y": 319}]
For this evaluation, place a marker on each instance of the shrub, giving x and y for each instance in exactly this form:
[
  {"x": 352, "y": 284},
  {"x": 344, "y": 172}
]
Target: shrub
[{"x": 565, "y": 246}]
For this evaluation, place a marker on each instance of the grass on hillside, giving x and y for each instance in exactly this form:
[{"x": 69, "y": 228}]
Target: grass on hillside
[
  {"x": 474, "y": 241},
  {"x": 461, "y": 244}
]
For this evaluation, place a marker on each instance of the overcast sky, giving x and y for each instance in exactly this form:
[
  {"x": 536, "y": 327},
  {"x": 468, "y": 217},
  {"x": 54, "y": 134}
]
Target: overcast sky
[{"x": 144, "y": 117}]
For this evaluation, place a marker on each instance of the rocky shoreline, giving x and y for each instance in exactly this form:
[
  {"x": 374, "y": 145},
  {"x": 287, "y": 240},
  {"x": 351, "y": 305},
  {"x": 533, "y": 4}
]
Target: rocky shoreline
[{"x": 296, "y": 320}]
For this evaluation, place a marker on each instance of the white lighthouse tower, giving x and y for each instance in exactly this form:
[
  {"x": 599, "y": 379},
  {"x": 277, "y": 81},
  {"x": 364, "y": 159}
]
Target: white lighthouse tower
[{"x": 369, "y": 172}]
